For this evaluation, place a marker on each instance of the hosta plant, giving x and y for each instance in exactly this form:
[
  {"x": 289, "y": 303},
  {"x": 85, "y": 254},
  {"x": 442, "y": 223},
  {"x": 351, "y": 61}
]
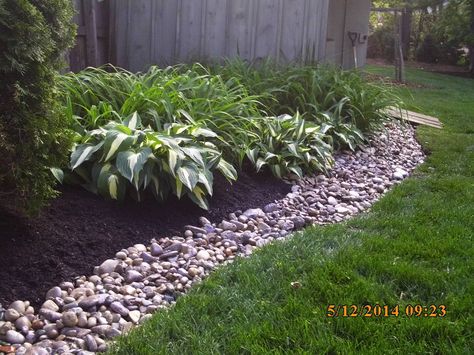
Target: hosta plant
[
  {"x": 127, "y": 156},
  {"x": 289, "y": 144}
]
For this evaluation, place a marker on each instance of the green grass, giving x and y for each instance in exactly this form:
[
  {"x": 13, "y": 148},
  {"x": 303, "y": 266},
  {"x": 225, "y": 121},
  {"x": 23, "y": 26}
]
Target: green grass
[{"x": 414, "y": 247}]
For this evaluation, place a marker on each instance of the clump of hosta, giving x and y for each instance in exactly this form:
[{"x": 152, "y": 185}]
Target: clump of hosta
[
  {"x": 289, "y": 144},
  {"x": 126, "y": 156}
]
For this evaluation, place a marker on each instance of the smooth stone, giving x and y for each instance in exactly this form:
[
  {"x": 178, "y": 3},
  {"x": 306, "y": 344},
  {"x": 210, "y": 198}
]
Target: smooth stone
[
  {"x": 22, "y": 322},
  {"x": 148, "y": 258},
  {"x": 93, "y": 301},
  {"x": 195, "y": 229},
  {"x": 169, "y": 254},
  {"x": 119, "y": 308},
  {"x": 193, "y": 271},
  {"x": 50, "y": 315},
  {"x": 342, "y": 210},
  {"x": 203, "y": 255},
  {"x": 69, "y": 319},
  {"x": 91, "y": 343},
  {"x": 228, "y": 226},
  {"x": 50, "y": 304},
  {"x": 271, "y": 207},
  {"x": 156, "y": 249},
  {"x": 54, "y": 292},
  {"x": 11, "y": 315},
  {"x": 299, "y": 222},
  {"x": 13, "y": 337},
  {"x": 332, "y": 201},
  {"x": 254, "y": 213},
  {"x": 134, "y": 316},
  {"x": 18, "y": 306},
  {"x": 133, "y": 276},
  {"x": 203, "y": 221},
  {"x": 108, "y": 266}
]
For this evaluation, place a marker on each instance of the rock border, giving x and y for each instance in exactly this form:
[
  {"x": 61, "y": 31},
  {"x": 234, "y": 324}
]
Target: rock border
[{"x": 80, "y": 317}]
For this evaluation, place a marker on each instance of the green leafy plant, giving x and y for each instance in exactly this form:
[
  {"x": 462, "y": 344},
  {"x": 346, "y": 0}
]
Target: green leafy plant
[
  {"x": 123, "y": 156},
  {"x": 289, "y": 144}
]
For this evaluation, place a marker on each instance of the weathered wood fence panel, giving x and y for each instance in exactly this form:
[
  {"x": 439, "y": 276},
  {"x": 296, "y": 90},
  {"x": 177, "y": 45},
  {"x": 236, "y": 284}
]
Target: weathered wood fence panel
[
  {"x": 163, "y": 32},
  {"x": 92, "y": 40}
]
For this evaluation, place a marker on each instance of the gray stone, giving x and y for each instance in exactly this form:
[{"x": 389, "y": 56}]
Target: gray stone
[
  {"x": 93, "y": 301},
  {"x": 134, "y": 316},
  {"x": 18, "y": 306},
  {"x": 148, "y": 258},
  {"x": 11, "y": 315},
  {"x": 228, "y": 226},
  {"x": 203, "y": 255},
  {"x": 156, "y": 249},
  {"x": 50, "y": 315},
  {"x": 254, "y": 213},
  {"x": 169, "y": 254},
  {"x": 54, "y": 292},
  {"x": 195, "y": 230},
  {"x": 133, "y": 276},
  {"x": 203, "y": 221},
  {"x": 299, "y": 222},
  {"x": 22, "y": 323},
  {"x": 13, "y": 337},
  {"x": 69, "y": 319},
  {"x": 108, "y": 266},
  {"x": 50, "y": 304},
  {"x": 271, "y": 207},
  {"x": 332, "y": 201},
  {"x": 119, "y": 308},
  {"x": 91, "y": 343}
]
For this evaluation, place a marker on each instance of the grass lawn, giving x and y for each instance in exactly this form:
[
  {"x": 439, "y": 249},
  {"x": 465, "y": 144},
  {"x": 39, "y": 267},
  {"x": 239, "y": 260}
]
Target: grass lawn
[{"x": 414, "y": 247}]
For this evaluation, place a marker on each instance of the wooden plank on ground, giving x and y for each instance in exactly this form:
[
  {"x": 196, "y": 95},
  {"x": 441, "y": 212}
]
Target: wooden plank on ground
[{"x": 414, "y": 117}]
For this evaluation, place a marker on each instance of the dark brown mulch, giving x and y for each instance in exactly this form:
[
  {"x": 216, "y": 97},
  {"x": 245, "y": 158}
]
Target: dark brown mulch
[{"x": 80, "y": 230}]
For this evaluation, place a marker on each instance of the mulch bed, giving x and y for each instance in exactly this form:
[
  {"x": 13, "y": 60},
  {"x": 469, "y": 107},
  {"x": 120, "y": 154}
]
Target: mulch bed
[{"x": 80, "y": 230}]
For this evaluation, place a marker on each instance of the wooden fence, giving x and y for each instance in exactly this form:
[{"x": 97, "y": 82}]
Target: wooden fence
[
  {"x": 137, "y": 33},
  {"x": 92, "y": 40},
  {"x": 165, "y": 32}
]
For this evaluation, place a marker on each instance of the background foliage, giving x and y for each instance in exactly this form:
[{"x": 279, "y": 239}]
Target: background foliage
[
  {"x": 436, "y": 31},
  {"x": 33, "y": 37}
]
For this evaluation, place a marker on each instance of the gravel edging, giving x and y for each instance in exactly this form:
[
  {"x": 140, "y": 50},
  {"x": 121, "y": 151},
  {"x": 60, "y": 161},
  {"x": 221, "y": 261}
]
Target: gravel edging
[{"x": 80, "y": 317}]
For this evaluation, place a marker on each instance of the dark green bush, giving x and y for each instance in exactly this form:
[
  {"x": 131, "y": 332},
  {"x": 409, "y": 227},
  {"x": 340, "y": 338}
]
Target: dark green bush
[{"x": 34, "y": 35}]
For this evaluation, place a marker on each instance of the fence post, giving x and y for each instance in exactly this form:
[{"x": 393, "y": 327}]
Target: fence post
[{"x": 92, "y": 53}]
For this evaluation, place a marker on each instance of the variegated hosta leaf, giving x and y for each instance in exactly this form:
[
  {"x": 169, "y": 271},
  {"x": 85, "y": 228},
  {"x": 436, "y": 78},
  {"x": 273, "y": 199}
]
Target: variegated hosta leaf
[
  {"x": 83, "y": 152},
  {"x": 133, "y": 122},
  {"x": 198, "y": 196},
  {"x": 115, "y": 142},
  {"x": 207, "y": 180},
  {"x": 188, "y": 176},
  {"x": 130, "y": 164},
  {"x": 110, "y": 183},
  {"x": 227, "y": 170}
]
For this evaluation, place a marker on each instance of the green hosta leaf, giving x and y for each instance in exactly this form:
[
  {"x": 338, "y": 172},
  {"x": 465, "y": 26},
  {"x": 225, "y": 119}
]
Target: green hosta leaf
[
  {"x": 130, "y": 164},
  {"x": 116, "y": 141},
  {"x": 58, "y": 174},
  {"x": 227, "y": 170},
  {"x": 199, "y": 197},
  {"x": 188, "y": 176},
  {"x": 83, "y": 152}
]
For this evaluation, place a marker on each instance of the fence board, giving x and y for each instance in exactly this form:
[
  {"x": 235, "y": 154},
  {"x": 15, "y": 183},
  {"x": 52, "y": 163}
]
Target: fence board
[{"x": 165, "y": 32}]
